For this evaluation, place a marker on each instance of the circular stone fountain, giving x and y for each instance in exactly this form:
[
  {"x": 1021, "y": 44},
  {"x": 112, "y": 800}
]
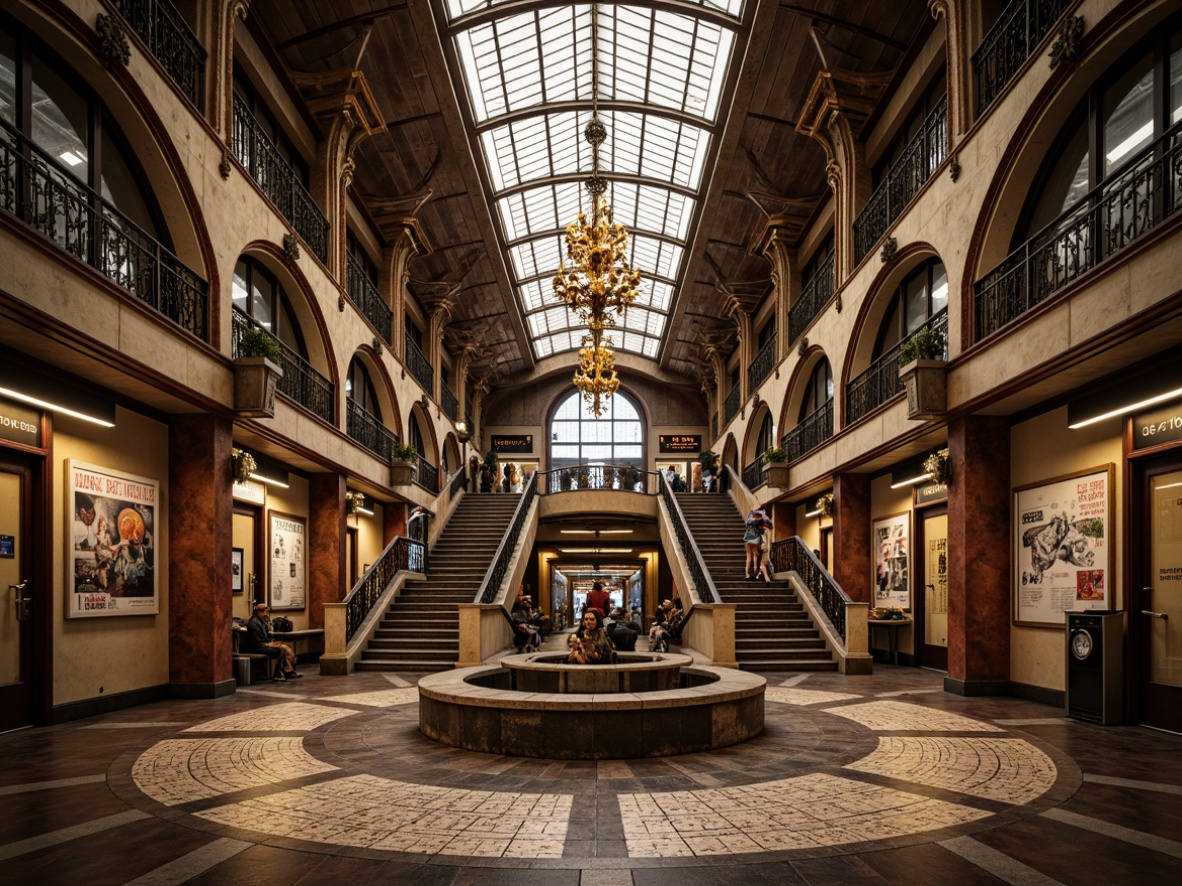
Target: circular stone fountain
[{"x": 538, "y": 705}]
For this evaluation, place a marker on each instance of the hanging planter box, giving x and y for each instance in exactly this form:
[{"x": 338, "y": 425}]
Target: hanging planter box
[
  {"x": 926, "y": 384},
  {"x": 776, "y": 474},
  {"x": 402, "y": 473},
  {"x": 256, "y": 379}
]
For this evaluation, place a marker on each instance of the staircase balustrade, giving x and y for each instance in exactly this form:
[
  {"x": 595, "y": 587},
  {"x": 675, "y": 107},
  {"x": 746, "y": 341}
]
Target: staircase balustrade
[
  {"x": 401, "y": 554},
  {"x": 694, "y": 561},
  {"x": 622, "y": 478},
  {"x": 792, "y": 555},
  {"x": 458, "y": 482},
  {"x": 500, "y": 564}
]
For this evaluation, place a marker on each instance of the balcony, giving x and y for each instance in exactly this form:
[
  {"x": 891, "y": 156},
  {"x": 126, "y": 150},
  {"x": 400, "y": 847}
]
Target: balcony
[
  {"x": 761, "y": 366},
  {"x": 753, "y": 476},
  {"x": 731, "y": 406},
  {"x": 168, "y": 37},
  {"x": 259, "y": 156},
  {"x": 1140, "y": 195},
  {"x": 1011, "y": 40},
  {"x": 919, "y": 161},
  {"x": 368, "y": 430},
  {"x": 809, "y": 433},
  {"x": 43, "y": 195},
  {"x": 419, "y": 367},
  {"x": 365, "y": 297},
  {"x": 301, "y": 383},
  {"x": 448, "y": 403},
  {"x": 880, "y": 382},
  {"x": 428, "y": 476},
  {"x": 812, "y": 299}
]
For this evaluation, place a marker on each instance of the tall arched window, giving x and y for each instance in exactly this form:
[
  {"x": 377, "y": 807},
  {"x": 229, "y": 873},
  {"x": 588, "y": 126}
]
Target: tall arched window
[
  {"x": 258, "y": 295},
  {"x": 616, "y": 437},
  {"x": 766, "y": 438},
  {"x": 919, "y": 298},
  {"x": 819, "y": 391},
  {"x": 360, "y": 389}
]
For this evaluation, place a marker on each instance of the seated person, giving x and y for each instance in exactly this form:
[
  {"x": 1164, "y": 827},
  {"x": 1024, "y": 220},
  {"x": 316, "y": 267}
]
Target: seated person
[
  {"x": 591, "y": 644},
  {"x": 622, "y": 631},
  {"x": 259, "y": 641}
]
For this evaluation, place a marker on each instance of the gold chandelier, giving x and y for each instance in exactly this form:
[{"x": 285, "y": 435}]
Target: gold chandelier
[{"x": 595, "y": 280}]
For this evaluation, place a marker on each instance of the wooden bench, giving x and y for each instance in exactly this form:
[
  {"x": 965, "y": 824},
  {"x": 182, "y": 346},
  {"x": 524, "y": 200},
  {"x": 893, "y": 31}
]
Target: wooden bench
[{"x": 244, "y": 662}]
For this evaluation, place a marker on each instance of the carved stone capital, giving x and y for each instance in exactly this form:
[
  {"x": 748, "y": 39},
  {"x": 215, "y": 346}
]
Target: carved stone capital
[
  {"x": 113, "y": 46},
  {"x": 889, "y": 247},
  {"x": 291, "y": 247},
  {"x": 1065, "y": 50}
]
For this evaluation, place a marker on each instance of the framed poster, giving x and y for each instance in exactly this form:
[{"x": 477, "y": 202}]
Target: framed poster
[
  {"x": 1061, "y": 547},
  {"x": 236, "y": 570},
  {"x": 287, "y": 561},
  {"x": 891, "y": 547},
  {"x": 110, "y": 542}
]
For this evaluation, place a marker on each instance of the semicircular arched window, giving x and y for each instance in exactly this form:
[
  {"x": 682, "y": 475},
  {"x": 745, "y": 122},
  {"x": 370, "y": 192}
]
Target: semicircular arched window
[
  {"x": 364, "y": 412},
  {"x": 814, "y": 419},
  {"x": 616, "y": 437}
]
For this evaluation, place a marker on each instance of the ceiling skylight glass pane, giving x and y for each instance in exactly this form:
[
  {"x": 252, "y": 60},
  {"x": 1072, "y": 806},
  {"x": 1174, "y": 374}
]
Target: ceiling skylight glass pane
[
  {"x": 535, "y": 257},
  {"x": 457, "y": 8},
  {"x": 654, "y": 294},
  {"x": 649, "y": 208},
  {"x": 553, "y": 319},
  {"x": 656, "y": 257},
  {"x": 643, "y": 320},
  {"x": 536, "y": 294}
]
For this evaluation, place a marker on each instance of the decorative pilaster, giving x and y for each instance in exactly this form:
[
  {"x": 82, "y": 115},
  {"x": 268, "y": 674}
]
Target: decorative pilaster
[
  {"x": 327, "y": 573},
  {"x": 439, "y": 318},
  {"x": 851, "y": 535},
  {"x": 406, "y": 240},
  {"x": 216, "y": 20},
  {"x": 958, "y": 41},
  {"x": 775, "y": 244}
]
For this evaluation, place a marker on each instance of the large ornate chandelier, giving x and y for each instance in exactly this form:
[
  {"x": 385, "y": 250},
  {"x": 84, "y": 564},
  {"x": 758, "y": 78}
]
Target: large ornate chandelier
[{"x": 595, "y": 280}]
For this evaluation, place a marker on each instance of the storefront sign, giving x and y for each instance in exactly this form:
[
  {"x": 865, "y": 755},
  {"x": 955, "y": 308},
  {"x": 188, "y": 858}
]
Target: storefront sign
[
  {"x": 513, "y": 443},
  {"x": 249, "y": 492},
  {"x": 668, "y": 443},
  {"x": 930, "y": 493},
  {"x": 1157, "y": 427},
  {"x": 19, "y": 424}
]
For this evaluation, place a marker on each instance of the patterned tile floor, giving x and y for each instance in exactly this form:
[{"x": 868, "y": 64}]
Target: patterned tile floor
[{"x": 862, "y": 779}]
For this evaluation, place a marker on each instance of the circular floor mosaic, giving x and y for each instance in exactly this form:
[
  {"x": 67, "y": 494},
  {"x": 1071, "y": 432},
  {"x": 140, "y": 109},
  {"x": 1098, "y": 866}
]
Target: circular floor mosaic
[{"x": 833, "y": 772}]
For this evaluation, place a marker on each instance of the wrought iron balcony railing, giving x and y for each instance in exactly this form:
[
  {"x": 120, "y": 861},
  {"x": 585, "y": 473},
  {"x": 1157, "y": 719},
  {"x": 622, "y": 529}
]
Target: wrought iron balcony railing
[
  {"x": 171, "y": 42},
  {"x": 1011, "y": 40},
  {"x": 364, "y": 294},
  {"x": 301, "y": 383},
  {"x": 418, "y": 366},
  {"x": 880, "y": 382},
  {"x": 428, "y": 475},
  {"x": 811, "y": 432},
  {"x": 753, "y": 476},
  {"x": 368, "y": 430},
  {"x": 731, "y": 406},
  {"x": 259, "y": 156},
  {"x": 761, "y": 367},
  {"x": 923, "y": 154},
  {"x": 45, "y": 196},
  {"x": 1140, "y": 195},
  {"x": 626, "y": 478},
  {"x": 812, "y": 299},
  {"x": 448, "y": 402}
]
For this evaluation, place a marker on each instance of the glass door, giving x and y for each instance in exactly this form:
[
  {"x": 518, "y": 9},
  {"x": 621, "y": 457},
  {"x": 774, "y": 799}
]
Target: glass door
[
  {"x": 1157, "y": 606},
  {"x": 931, "y": 609},
  {"x": 17, "y": 663}
]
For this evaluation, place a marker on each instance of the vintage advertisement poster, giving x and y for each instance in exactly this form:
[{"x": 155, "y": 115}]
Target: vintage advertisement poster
[
  {"x": 890, "y": 545},
  {"x": 287, "y": 561},
  {"x": 1061, "y": 547},
  {"x": 110, "y": 542}
]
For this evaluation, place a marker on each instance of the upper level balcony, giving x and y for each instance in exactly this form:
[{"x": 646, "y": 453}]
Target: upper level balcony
[
  {"x": 813, "y": 430},
  {"x": 419, "y": 366},
  {"x": 1011, "y": 40},
  {"x": 171, "y": 42},
  {"x": 448, "y": 403},
  {"x": 880, "y": 382},
  {"x": 300, "y": 382},
  {"x": 761, "y": 367},
  {"x": 368, "y": 430},
  {"x": 812, "y": 299},
  {"x": 364, "y": 294},
  {"x": 731, "y": 405}
]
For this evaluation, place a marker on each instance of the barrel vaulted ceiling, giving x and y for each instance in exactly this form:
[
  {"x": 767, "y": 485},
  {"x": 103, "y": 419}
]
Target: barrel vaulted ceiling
[{"x": 485, "y": 103}]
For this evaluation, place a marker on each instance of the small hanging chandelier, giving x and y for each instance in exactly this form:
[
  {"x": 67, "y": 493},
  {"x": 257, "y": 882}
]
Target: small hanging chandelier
[{"x": 595, "y": 280}]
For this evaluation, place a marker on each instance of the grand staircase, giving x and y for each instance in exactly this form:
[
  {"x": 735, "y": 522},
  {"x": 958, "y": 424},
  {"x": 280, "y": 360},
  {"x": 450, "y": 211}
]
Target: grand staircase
[
  {"x": 773, "y": 631},
  {"x": 421, "y": 629}
]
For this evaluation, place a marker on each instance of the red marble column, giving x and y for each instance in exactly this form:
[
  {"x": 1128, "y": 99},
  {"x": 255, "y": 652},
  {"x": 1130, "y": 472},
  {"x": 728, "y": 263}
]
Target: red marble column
[
  {"x": 326, "y": 544},
  {"x": 784, "y": 517},
  {"x": 393, "y": 521},
  {"x": 200, "y": 516},
  {"x": 979, "y": 556},
  {"x": 851, "y": 535}
]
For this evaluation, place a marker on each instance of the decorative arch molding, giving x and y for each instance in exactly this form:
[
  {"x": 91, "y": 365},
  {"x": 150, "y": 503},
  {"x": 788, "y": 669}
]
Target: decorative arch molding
[
  {"x": 633, "y": 398},
  {"x": 426, "y": 427},
  {"x": 794, "y": 392},
  {"x": 730, "y": 453},
  {"x": 1101, "y": 46},
  {"x": 451, "y": 447},
  {"x": 384, "y": 387},
  {"x": 751, "y": 435}
]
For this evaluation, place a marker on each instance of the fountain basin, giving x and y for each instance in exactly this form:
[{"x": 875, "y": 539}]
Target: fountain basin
[{"x": 635, "y": 672}]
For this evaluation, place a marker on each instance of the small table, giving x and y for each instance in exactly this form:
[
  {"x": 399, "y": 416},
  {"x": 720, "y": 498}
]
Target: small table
[
  {"x": 309, "y": 642},
  {"x": 892, "y": 625}
]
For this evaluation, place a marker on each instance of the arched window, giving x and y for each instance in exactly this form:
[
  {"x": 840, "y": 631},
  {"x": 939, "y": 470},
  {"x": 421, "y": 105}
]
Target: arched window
[
  {"x": 766, "y": 438},
  {"x": 616, "y": 437},
  {"x": 259, "y": 296},
  {"x": 819, "y": 390},
  {"x": 920, "y": 297},
  {"x": 360, "y": 389},
  {"x": 414, "y": 435}
]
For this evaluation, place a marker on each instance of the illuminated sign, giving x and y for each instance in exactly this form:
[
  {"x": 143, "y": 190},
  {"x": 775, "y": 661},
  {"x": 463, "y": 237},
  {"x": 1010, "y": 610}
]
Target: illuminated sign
[
  {"x": 667, "y": 443},
  {"x": 513, "y": 443}
]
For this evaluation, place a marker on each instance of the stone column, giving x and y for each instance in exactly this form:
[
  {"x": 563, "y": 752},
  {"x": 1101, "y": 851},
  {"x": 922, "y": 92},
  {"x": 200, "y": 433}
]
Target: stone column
[
  {"x": 851, "y": 535},
  {"x": 393, "y": 521},
  {"x": 979, "y": 556},
  {"x": 326, "y": 544},
  {"x": 784, "y": 519},
  {"x": 200, "y": 517}
]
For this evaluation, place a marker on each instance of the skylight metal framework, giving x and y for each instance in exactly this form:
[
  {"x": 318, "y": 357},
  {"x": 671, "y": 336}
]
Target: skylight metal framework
[{"x": 526, "y": 69}]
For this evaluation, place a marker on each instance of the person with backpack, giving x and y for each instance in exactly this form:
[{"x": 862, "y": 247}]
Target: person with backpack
[{"x": 756, "y": 525}]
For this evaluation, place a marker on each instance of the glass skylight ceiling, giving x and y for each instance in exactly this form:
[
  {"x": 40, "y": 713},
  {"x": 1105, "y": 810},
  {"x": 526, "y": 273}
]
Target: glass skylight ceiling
[{"x": 527, "y": 73}]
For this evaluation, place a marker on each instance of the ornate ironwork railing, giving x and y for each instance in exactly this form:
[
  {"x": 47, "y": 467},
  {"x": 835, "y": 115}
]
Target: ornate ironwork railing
[
  {"x": 791, "y": 555},
  {"x": 880, "y": 382},
  {"x": 171, "y": 42},
  {"x": 500, "y": 564},
  {"x": 761, "y": 366},
  {"x": 458, "y": 482},
  {"x": 259, "y": 156},
  {"x": 920, "y": 158},
  {"x": 448, "y": 402},
  {"x": 811, "y": 432},
  {"x": 364, "y": 294},
  {"x": 812, "y": 299},
  {"x": 300, "y": 382},
  {"x": 625, "y": 478},
  {"x": 753, "y": 476},
  {"x": 45, "y": 196},
  {"x": 368, "y": 430},
  {"x": 1011, "y": 40},
  {"x": 1140, "y": 195},
  {"x": 401, "y": 555},
  {"x": 428, "y": 475},
  {"x": 418, "y": 366},
  {"x": 731, "y": 406},
  {"x": 694, "y": 561}
]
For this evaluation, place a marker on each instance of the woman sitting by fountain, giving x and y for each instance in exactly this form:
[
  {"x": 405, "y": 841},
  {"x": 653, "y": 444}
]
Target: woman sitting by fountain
[{"x": 590, "y": 644}]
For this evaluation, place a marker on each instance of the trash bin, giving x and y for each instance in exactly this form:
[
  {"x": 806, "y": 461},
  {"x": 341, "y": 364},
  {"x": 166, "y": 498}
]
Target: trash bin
[{"x": 1095, "y": 654}]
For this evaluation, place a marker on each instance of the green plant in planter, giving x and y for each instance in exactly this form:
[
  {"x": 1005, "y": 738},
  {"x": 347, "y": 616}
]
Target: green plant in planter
[
  {"x": 773, "y": 454},
  {"x": 257, "y": 342},
  {"x": 927, "y": 344},
  {"x": 404, "y": 452}
]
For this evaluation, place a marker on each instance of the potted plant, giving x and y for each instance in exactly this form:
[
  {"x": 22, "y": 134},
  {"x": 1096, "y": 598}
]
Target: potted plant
[
  {"x": 825, "y": 504},
  {"x": 775, "y": 466},
  {"x": 242, "y": 465},
  {"x": 939, "y": 465},
  {"x": 921, "y": 369},
  {"x": 403, "y": 457},
  {"x": 256, "y": 373}
]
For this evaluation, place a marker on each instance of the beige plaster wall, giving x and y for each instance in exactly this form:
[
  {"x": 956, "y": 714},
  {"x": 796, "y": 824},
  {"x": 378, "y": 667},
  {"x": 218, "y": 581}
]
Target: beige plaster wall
[
  {"x": 294, "y": 502},
  {"x": 94, "y": 657}
]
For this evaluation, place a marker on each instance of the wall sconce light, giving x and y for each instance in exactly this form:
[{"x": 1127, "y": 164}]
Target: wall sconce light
[
  {"x": 242, "y": 465},
  {"x": 462, "y": 432},
  {"x": 355, "y": 504}
]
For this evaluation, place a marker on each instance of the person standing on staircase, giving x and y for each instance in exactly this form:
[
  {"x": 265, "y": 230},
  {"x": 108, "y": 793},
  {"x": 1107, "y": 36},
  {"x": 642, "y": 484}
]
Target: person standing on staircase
[{"x": 757, "y": 523}]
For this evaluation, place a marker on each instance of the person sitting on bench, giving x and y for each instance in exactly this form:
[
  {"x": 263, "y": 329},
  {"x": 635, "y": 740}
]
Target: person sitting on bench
[{"x": 259, "y": 640}]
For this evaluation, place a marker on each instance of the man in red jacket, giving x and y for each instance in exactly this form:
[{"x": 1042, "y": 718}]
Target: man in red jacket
[{"x": 599, "y": 599}]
